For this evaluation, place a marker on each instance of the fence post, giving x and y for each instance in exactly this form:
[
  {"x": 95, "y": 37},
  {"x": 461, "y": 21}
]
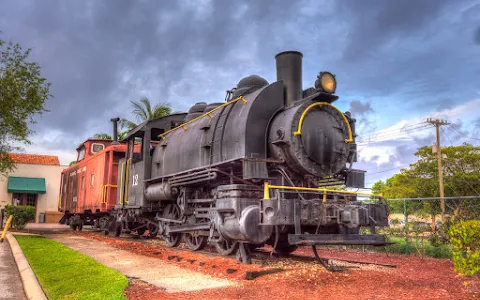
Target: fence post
[{"x": 405, "y": 214}]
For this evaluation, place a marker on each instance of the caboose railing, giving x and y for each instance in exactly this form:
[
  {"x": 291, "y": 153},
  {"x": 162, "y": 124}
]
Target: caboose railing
[
  {"x": 104, "y": 191},
  {"x": 208, "y": 113}
]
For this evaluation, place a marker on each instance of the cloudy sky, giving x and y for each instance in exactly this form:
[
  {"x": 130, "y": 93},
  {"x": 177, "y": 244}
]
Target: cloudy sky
[{"x": 397, "y": 62}]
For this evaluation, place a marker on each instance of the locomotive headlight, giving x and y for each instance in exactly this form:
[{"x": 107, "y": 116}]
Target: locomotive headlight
[{"x": 327, "y": 82}]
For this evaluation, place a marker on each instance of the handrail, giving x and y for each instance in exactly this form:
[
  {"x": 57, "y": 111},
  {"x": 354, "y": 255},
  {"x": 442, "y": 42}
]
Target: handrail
[
  {"x": 59, "y": 202},
  {"x": 121, "y": 184},
  {"x": 267, "y": 187},
  {"x": 299, "y": 130},
  {"x": 208, "y": 113},
  {"x": 104, "y": 191},
  {"x": 125, "y": 200}
]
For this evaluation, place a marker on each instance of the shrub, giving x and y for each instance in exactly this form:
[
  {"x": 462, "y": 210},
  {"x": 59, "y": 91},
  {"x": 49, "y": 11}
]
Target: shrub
[
  {"x": 21, "y": 215},
  {"x": 465, "y": 240}
]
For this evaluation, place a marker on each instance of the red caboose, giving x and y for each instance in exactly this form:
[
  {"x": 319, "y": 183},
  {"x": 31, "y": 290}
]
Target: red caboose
[{"x": 88, "y": 189}]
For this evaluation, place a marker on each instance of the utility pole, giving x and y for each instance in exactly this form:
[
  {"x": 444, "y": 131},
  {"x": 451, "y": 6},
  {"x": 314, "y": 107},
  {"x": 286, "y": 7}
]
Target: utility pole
[{"x": 437, "y": 123}]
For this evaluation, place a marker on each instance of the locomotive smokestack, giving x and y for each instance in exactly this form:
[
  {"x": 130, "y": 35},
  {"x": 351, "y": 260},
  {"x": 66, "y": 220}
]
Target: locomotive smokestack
[
  {"x": 289, "y": 69},
  {"x": 115, "y": 131}
]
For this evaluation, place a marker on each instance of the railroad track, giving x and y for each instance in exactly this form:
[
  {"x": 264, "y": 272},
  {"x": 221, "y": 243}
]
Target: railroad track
[{"x": 261, "y": 257}]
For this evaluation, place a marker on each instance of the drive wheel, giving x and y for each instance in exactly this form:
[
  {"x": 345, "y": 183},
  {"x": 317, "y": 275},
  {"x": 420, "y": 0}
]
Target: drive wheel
[
  {"x": 153, "y": 230},
  {"x": 285, "y": 248},
  {"x": 118, "y": 229},
  {"x": 172, "y": 211},
  {"x": 195, "y": 242},
  {"x": 71, "y": 223},
  {"x": 225, "y": 247}
]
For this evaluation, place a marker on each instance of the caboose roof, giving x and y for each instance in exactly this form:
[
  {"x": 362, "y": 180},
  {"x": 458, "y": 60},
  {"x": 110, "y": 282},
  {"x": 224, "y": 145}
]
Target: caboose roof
[{"x": 102, "y": 141}]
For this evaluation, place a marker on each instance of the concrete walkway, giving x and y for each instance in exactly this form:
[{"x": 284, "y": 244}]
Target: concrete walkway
[
  {"x": 154, "y": 271},
  {"x": 47, "y": 227},
  {"x": 11, "y": 286}
]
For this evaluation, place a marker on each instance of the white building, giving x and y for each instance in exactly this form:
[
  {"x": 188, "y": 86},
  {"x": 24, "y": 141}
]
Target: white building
[{"x": 35, "y": 181}]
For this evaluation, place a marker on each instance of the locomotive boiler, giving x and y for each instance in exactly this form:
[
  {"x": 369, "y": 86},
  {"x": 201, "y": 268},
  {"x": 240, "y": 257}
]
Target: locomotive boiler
[{"x": 255, "y": 169}]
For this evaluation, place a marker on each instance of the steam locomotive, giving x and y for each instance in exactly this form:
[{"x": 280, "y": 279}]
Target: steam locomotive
[{"x": 256, "y": 169}]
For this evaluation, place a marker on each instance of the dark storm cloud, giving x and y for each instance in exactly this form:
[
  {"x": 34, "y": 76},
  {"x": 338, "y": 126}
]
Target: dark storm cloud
[
  {"x": 406, "y": 48},
  {"x": 378, "y": 21},
  {"x": 359, "y": 108},
  {"x": 476, "y": 37},
  {"x": 99, "y": 55}
]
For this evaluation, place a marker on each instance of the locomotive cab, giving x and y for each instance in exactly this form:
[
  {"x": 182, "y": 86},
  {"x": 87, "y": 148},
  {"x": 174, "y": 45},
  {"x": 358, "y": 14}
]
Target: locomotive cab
[{"x": 136, "y": 166}]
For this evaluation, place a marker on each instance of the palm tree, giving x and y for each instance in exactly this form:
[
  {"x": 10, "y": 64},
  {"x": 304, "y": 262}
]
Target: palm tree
[
  {"x": 143, "y": 111},
  {"x": 103, "y": 136},
  {"x": 106, "y": 136}
]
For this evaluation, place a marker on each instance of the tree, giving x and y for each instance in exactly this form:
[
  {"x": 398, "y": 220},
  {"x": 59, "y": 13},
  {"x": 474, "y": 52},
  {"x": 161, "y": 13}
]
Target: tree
[
  {"x": 106, "y": 136},
  {"x": 461, "y": 178},
  {"x": 143, "y": 111},
  {"x": 23, "y": 93},
  {"x": 103, "y": 136}
]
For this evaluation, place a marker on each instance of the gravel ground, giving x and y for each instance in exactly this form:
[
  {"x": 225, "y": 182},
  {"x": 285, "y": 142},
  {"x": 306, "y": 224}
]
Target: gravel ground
[{"x": 414, "y": 277}]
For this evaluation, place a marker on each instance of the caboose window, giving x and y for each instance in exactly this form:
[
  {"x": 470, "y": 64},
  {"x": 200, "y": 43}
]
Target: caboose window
[
  {"x": 81, "y": 153},
  {"x": 97, "y": 148},
  {"x": 92, "y": 179}
]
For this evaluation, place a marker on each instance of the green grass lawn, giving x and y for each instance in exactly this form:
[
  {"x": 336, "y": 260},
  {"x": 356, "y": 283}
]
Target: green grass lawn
[{"x": 64, "y": 273}]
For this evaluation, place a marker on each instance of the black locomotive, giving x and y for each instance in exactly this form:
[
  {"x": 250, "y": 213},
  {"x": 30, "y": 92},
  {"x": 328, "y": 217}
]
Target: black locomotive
[{"x": 249, "y": 171}]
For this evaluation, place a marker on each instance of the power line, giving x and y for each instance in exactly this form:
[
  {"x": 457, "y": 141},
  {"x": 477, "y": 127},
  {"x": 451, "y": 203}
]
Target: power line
[
  {"x": 383, "y": 171},
  {"x": 400, "y": 130},
  {"x": 384, "y": 138},
  {"x": 393, "y": 130},
  {"x": 452, "y": 127}
]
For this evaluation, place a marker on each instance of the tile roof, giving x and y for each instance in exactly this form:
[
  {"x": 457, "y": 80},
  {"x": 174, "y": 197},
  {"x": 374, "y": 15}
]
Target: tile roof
[{"x": 34, "y": 159}]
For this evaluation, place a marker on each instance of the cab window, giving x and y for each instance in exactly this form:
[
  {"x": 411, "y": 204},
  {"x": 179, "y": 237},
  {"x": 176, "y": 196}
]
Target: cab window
[{"x": 135, "y": 149}]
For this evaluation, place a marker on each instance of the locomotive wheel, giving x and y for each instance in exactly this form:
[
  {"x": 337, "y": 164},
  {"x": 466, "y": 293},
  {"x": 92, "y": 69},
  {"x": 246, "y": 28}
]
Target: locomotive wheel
[
  {"x": 153, "y": 230},
  {"x": 80, "y": 226},
  {"x": 118, "y": 229},
  {"x": 195, "y": 242},
  {"x": 225, "y": 247},
  {"x": 285, "y": 248},
  {"x": 172, "y": 211},
  {"x": 71, "y": 223},
  {"x": 253, "y": 247}
]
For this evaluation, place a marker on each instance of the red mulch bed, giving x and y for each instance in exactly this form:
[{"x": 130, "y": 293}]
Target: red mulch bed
[{"x": 414, "y": 277}]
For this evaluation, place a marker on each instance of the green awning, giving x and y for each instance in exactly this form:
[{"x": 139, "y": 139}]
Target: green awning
[{"x": 26, "y": 185}]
